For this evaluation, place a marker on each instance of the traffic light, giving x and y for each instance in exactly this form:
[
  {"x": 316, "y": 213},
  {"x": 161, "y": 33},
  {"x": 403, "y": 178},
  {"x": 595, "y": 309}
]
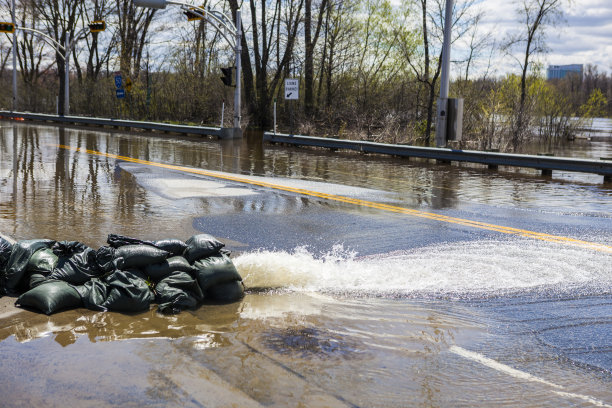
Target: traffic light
[
  {"x": 192, "y": 15},
  {"x": 7, "y": 28},
  {"x": 97, "y": 26},
  {"x": 227, "y": 76}
]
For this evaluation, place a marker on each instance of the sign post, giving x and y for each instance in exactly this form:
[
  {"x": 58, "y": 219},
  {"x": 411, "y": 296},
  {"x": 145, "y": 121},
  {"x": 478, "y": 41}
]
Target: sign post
[
  {"x": 292, "y": 93},
  {"x": 292, "y": 89}
]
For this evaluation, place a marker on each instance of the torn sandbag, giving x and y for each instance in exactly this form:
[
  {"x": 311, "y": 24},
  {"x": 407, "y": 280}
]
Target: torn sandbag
[
  {"x": 81, "y": 267},
  {"x": 174, "y": 246},
  {"x": 201, "y": 246},
  {"x": 117, "y": 241},
  {"x": 178, "y": 291},
  {"x": 226, "y": 292},
  {"x": 161, "y": 270},
  {"x": 42, "y": 261},
  {"x": 17, "y": 264},
  {"x": 214, "y": 270},
  {"x": 138, "y": 256},
  {"x": 50, "y": 297},
  {"x": 5, "y": 253}
]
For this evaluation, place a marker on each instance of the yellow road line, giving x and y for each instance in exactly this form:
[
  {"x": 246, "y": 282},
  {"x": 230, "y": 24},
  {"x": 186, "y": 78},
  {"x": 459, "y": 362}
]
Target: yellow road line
[{"x": 363, "y": 203}]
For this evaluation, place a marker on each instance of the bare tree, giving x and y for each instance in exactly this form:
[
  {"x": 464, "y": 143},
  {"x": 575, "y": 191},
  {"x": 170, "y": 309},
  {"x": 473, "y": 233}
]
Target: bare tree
[
  {"x": 535, "y": 16},
  {"x": 310, "y": 42},
  {"x": 273, "y": 29},
  {"x": 133, "y": 29}
]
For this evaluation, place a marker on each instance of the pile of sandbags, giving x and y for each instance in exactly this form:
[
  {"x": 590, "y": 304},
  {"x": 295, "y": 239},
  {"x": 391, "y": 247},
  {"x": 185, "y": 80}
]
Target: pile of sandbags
[{"x": 128, "y": 275}]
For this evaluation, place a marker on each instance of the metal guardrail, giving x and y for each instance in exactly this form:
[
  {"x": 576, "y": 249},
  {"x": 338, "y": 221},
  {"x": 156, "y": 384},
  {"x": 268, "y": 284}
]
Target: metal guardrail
[
  {"x": 83, "y": 120},
  {"x": 492, "y": 159}
]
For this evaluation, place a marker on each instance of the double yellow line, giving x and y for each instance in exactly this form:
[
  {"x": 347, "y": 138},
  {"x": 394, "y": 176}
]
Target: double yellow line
[{"x": 362, "y": 203}]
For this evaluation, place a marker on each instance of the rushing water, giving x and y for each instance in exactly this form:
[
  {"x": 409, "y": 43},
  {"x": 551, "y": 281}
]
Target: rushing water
[{"x": 347, "y": 306}]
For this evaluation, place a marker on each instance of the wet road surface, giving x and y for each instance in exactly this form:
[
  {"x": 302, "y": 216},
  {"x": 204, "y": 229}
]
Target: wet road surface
[{"x": 372, "y": 281}]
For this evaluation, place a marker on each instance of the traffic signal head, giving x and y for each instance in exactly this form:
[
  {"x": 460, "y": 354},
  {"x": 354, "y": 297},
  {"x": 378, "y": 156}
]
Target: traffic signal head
[
  {"x": 7, "y": 28},
  {"x": 192, "y": 15},
  {"x": 97, "y": 26},
  {"x": 227, "y": 76}
]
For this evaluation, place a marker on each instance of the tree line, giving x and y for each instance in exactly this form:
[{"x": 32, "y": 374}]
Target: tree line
[{"x": 368, "y": 69}]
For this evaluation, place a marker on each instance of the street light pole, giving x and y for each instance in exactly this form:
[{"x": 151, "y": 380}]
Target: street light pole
[
  {"x": 237, "y": 112},
  {"x": 14, "y": 58},
  {"x": 442, "y": 110}
]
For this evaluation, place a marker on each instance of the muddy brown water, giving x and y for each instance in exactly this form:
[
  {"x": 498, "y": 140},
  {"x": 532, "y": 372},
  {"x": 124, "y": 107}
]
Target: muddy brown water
[{"x": 347, "y": 306}]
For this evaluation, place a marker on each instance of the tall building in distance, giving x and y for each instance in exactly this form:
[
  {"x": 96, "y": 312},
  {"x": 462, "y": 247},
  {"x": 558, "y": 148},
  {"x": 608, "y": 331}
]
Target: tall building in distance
[{"x": 561, "y": 71}]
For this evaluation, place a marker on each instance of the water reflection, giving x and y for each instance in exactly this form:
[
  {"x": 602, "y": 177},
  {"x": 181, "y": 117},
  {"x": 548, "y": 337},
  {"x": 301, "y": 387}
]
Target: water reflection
[{"x": 208, "y": 322}]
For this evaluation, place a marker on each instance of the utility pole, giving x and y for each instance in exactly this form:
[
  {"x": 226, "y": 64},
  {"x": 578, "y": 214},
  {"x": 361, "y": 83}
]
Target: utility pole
[
  {"x": 14, "y": 57},
  {"x": 442, "y": 111},
  {"x": 237, "y": 128},
  {"x": 66, "y": 75}
]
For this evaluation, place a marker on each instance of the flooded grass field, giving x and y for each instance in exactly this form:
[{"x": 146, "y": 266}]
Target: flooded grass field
[{"x": 346, "y": 305}]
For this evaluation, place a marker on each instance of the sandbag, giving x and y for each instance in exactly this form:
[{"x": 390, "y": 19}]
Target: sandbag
[
  {"x": 17, "y": 264},
  {"x": 201, "y": 246},
  {"x": 105, "y": 259},
  {"x": 139, "y": 256},
  {"x": 37, "y": 279},
  {"x": 214, "y": 270},
  {"x": 177, "y": 292},
  {"x": 117, "y": 241},
  {"x": 174, "y": 246},
  {"x": 68, "y": 248},
  {"x": 127, "y": 292},
  {"x": 122, "y": 291},
  {"x": 42, "y": 261},
  {"x": 94, "y": 293},
  {"x": 78, "y": 268},
  {"x": 51, "y": 297},
  {"x": 161, "y": 270},
  {"x": 226, "y": 292},
  {"x": 5, "y": 253}
]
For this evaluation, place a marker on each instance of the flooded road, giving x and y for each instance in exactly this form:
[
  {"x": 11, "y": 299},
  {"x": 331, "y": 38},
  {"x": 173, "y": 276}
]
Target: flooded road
[{"x": 372, "y": 281}]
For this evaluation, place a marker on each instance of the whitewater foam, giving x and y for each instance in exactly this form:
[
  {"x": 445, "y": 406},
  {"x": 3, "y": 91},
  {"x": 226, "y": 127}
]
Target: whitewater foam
[{"x": 491, "y": 267}]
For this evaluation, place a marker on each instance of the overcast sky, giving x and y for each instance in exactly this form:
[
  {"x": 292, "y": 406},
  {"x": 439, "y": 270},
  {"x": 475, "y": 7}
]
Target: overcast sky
[{"x": 584, "y": 37}]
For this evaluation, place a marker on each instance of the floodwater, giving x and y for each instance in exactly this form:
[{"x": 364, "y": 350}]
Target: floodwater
[{"x": 347, "y": 305}]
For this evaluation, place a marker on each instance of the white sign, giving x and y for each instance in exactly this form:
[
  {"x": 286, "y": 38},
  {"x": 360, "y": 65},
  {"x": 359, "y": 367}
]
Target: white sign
[{"x": 292, "y": 89}]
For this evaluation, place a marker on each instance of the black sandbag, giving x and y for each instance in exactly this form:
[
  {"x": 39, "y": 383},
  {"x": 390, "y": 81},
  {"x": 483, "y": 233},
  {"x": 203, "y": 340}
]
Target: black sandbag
[
  {"x": 161, "y": 270},
  {"x": 50, "y": 297},
  {"x": 226, "y": 292},
  {"x": 68, "y": 248},
  {"x": 5, "y": 253},
  {"x": 105, "y": 259},
  {"x": 128, "y": 292},
  {"x": 37, "y": 279},
  {"x": 174, "y": 246},
  {"x": 214, "y": 270},
  {"x": 117, "y": 241},
  {"x": 177, "y": 292},
  {"x": 201, "y": 246},
  {"x": 18, "y": 261},
  {"x": 94, "y": 293},
  {"x": 42, "y": 261},
  {"x": 139, "y": 256},
  {"x": 78, "y": 268}
]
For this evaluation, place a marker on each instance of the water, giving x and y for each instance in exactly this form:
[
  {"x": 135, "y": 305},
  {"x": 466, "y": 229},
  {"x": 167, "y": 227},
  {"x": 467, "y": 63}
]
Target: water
[{"x": 347, "y": 305}]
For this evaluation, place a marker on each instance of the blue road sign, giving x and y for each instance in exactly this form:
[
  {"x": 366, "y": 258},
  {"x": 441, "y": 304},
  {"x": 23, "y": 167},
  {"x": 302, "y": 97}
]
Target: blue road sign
[
  {"x": 118, "y": 81},
  {"x": 120, "y": 93}
]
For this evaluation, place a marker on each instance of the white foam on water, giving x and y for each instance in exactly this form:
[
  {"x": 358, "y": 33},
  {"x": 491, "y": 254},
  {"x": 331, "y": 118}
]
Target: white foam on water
[{"x": 466, "y": 267}]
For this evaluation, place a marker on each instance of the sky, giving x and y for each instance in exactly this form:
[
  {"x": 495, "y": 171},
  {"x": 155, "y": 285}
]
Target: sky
[{"x": 584, "y": 37}]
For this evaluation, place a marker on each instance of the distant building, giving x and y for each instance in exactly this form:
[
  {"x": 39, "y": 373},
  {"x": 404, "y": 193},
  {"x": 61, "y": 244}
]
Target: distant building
[{"x": 561, "y": 71}]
